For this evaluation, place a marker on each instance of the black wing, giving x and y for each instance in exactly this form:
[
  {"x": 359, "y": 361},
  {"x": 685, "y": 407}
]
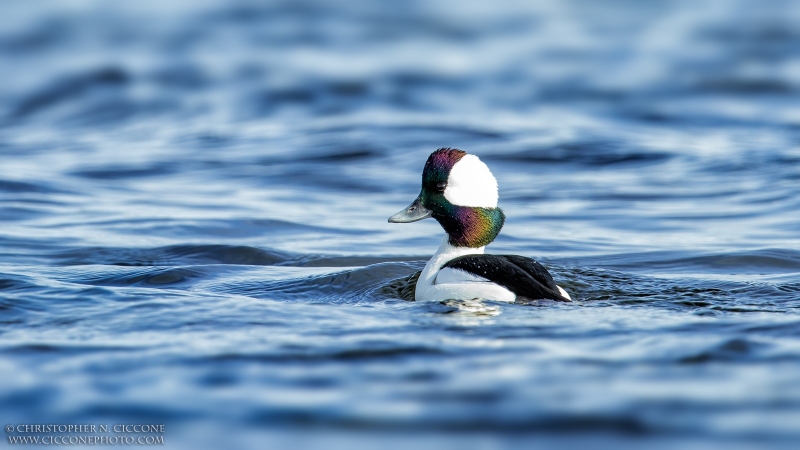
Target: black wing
[{"x": 520, "y": 275}]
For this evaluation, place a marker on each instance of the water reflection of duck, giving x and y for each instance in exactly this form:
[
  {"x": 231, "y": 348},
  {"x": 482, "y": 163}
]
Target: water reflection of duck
[{"x": 460, "y": 192}]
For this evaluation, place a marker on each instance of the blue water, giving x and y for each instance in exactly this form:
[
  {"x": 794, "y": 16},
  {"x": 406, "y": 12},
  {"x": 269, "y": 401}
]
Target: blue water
[{"x": 193, "y": 205}]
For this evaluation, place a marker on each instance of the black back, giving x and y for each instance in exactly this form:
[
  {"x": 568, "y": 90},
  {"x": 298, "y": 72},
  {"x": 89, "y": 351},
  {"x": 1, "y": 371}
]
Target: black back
[{"x": 523, "y": 276}]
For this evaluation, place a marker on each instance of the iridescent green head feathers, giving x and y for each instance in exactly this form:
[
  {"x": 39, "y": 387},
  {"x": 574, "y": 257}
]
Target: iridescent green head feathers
[{"x": 460, "y": 192}]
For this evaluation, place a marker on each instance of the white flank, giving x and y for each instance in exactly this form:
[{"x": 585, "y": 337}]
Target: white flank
[
  {"x": 429, "y": 289},
  {"x": 471, "y": 183},
  {"x": 450, "y": 276}
]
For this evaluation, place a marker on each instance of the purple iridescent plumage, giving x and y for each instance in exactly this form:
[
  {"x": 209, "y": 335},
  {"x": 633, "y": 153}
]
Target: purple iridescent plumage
[{"x": 437, "y": 167}]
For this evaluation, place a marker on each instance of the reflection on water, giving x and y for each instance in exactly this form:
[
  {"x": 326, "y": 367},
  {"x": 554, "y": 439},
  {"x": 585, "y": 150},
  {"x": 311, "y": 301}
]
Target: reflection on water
[
  {"x": 193, "y": 204},
  {"x": 473, "y": 312}
]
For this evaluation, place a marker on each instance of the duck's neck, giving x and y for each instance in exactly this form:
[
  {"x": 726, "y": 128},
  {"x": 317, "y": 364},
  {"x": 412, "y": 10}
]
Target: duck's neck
[
  {"x": 446, "y": 252},
  {"x": 470, "y": 226}
]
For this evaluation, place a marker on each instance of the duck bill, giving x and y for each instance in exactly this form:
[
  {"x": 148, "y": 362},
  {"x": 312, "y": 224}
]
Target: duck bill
[{"x": 413, "y": 213}]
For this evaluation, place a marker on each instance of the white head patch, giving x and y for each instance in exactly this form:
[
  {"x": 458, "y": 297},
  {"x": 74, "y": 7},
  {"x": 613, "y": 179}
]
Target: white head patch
[{"x": 470, "y": 183}]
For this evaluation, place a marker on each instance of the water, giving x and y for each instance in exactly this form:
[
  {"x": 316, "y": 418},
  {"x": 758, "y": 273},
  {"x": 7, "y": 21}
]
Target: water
[{"x": 193, "y": 205}]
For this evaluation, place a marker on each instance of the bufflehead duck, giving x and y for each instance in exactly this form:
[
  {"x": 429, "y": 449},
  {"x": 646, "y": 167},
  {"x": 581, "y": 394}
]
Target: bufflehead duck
[{"x": 460, "y": 192}]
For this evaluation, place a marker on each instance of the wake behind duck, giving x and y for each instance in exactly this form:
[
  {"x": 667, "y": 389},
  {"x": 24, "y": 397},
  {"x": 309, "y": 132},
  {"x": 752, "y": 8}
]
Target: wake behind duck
[{"x": 460, "y": 192}]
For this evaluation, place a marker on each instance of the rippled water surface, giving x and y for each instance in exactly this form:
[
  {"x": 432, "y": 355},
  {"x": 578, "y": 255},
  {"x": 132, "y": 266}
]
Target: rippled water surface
[{"x": 193, "y": 205}]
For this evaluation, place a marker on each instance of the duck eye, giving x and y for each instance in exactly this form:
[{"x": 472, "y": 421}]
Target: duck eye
[{"x": 440, "y": 186}]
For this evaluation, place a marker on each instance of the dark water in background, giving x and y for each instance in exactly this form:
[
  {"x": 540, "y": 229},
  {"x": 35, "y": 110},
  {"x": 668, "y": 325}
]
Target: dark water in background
[{"x": 193, "y": 204}]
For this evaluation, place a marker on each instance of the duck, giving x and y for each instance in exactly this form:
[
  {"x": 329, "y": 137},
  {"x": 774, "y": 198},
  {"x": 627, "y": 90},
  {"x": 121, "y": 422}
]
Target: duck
[{"x": 460, "y": 192}]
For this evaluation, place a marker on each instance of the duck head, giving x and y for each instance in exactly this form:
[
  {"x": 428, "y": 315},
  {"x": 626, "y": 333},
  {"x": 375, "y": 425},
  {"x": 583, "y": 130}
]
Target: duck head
[{"x": 460, "y": 192}]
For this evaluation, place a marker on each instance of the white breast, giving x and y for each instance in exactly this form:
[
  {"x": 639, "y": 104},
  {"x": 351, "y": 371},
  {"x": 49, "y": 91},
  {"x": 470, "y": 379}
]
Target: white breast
[{"x": 453, "y": 284}]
